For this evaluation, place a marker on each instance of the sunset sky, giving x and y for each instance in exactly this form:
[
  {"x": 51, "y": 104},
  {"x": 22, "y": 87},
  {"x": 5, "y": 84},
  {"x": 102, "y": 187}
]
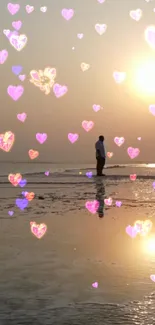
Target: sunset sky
[{"x": 53, "y": 42}]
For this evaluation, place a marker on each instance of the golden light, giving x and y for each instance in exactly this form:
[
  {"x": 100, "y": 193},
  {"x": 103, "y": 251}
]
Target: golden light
[
  {"x": 144, "y": 78},
  {"x": 149, "y": 245}
]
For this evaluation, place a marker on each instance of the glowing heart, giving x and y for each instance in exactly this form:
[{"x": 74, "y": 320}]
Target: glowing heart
[
  {"x": 108, "y": 201},
  {"x": 153, "y": 184},
  {"x": 38, "y": 230},
  {"x": 152, "y": 109},
  {"x": 14, "y": 179},
  {"x": 22, "y": 203},
  {"x": 118, "y": 204},
  {"x": 15, "y": 92},
  {"x": 87, "y": 125},
  {"x": 149, "y": 35},
  {"x": 29, "y": 9},
  {"x": 3, "y": 56},
  {"x": 59, "y": 90},
  {"x": 6, "y": 32},
  {"x": 109, "y": 154},
  {"x": 133, "y": 152},
  {"x": 96, "y": 108},
  {"x": 119, "y": 141},
  {"x": 47, "y": 173},
  {"x": 22, "y": 77},
  {"x": 89, "y": 174},
  {"x": 6, "y": 141},
  {"x": 43, "y": 9},
  {"x": 22, "y": 117},
  {"x": 101, "y": 1},
  {"x": 41, "y": 137},
  {"x": 13, "y": 8},
  {"x": 133, "y": 177},
  {"x": 95, "y": 285},
  {"x": 72, "y": 137},
  {"x": 100, "y": 28},
  {"x": 152, "y": 277},
  {"x": 84, "y": 66},
  {"x": 16, "y": 69},
  {"x": 33, "y": 154},
  {"x": 119, "y": 76},
  {"x": 30, "y": 196},
  {"x": 136, "y": 14},
  {"x": 80, "y": 36},
  {"x": 10, "y": 213},
  {"x": 67, "y": 13},
  {"x": 139, "y": 138},
  {"x": 92, "y": 206},
  {"x": 131, "y": 231},
  {"x": 23, "y": 182},
  {"x": 17, "y": 24},
  {"x": 18, "y": 41}
]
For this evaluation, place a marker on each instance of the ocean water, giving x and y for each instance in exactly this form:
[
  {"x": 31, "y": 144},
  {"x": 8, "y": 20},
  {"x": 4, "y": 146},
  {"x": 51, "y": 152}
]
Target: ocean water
[{"x": 29, "y": 293}]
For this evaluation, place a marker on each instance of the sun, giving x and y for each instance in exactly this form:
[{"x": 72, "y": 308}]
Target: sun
[
  {"x": 144, "y": 78},
  {"x": 149, "y": 245}
]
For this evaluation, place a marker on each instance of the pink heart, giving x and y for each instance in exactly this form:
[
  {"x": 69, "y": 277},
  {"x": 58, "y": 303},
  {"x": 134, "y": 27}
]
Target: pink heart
[
  {"x": 13, "y": 8},
  {"x": 41, "y": 137},
  {"x": 119, "y": 141},
  {"x": 133, "y": 152},
  {"x": 80, "y": 36},
  {"x": 3, "y": 56},
  {"x": 119, "y": 76},
  {"x": 152, "y": 109},
  {"x": 92, "y": 206},
  {"x": 73, "y": 137},
  {"x": 87, "y": 125},
  {"x": 152, "y": 277},
  {"x": 15, "y": 92},
  {"x": 22, "y": 77},
  {"x": 29, "y": 9},
  {"x": 59, "y": 90},
  {"x": 131, "y": 231},
  {"x": 22, "y": 117},
  {"x": 67, "y": 13},
  {"x": 38, "y": 230},
  {"x": 108, "y": 201},
  {"x": 95, "y": 285},
  {"x": 17, "y": 24},
  {"x": 96, "y": 108},
  {"x": 150, "y": 35}
]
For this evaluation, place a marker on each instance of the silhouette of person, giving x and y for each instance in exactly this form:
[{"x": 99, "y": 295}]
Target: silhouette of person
[{"x": 100, "y": 193}]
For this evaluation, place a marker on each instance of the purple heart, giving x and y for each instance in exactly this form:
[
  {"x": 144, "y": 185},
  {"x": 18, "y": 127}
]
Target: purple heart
[
  {"x": 10, "y": 213},
  {"x": 118, "y": 204},
  {"x": 22, "y": 183},
  {"x": 22, "y": 203},
  {"x": 16, "y": 69},
  {"x": 47, "y": 173},
  {"x": 24, "y": 193},
  {"x": 41, "y": 137},
  {"x": 153, "y": 185},
  {"x": 89, "y": 174},
  {"x": 67, "y": 13}
]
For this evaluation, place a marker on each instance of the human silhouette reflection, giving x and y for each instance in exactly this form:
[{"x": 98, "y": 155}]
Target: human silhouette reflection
[{"x": 100, "y": 193}]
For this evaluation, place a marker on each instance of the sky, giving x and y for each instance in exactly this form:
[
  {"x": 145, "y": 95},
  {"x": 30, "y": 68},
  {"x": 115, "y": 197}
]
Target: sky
[{"x": 52, "y": 42}]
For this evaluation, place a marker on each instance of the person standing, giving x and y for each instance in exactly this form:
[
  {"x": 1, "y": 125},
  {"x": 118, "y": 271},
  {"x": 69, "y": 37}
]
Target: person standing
[{"x": 100, "y": 155}]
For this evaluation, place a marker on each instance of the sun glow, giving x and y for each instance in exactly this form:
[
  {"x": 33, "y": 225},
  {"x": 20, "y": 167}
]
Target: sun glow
[
  {"x": 145, "y": 78},
  {"x": 150, "y": 245}
]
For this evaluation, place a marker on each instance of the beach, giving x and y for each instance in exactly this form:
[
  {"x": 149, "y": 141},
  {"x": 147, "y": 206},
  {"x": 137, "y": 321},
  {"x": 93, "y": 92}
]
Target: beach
[{"x": 85, "y": 269}]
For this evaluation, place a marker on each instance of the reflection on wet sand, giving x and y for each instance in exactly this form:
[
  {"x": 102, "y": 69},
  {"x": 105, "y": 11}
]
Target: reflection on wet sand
[{"x": 100, "y": 193}]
